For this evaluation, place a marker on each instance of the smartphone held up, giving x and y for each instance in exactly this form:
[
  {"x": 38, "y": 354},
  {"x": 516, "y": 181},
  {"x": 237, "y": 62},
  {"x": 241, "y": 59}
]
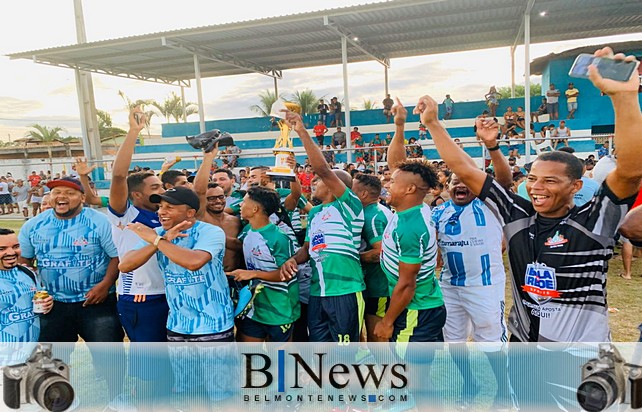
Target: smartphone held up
[{"x": 618, "y": 70}]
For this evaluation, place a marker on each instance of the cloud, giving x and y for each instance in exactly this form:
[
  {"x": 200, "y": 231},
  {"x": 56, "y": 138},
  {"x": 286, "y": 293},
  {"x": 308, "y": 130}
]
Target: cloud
[
  {"x": 65, "y": 90},
  {"x": 11, "y": 107}
]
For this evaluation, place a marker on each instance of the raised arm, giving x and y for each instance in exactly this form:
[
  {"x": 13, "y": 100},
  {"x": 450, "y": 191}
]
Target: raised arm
[
  {"x": 457, "y": 160},
  {"x": 397, "y": 148},
  {"x": 118, "y": 193},
  {"x": 624, "y": 181},
  {"x": 487, "y": 130},
  {"x": 317, "y": 161},
  {"x": 83, "y": 171},
  {"x": 202, "y": 178}
]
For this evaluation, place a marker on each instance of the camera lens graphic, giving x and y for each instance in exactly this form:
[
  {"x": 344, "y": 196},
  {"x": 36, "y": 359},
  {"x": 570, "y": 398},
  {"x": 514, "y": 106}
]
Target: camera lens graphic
[
  {"x": 53, "y": 392},
  {"x": 597, "y": 392}
]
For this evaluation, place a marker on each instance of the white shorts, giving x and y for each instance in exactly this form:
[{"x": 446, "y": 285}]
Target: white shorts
[
  {"x": 476, "y": 310},
  {"x": 22, "y": 204}
]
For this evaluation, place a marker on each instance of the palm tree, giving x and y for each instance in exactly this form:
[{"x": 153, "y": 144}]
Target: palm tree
[
  {"x": 369, "y": 104},
  {"x": 149, "y": 113},
  {"x": 45, "y": 135},
  {"x": 307, "y": 100},
  {"x": 106, "y": 130},
  {"x": 172, "y": 107},
  {"x": 267, "y": 99}
]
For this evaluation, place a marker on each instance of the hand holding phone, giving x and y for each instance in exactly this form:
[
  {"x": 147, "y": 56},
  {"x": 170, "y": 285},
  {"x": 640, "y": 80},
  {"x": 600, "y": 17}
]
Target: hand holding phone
[
  {"x": 618, "y": 70},
  {"x": 138, "y": 116}
]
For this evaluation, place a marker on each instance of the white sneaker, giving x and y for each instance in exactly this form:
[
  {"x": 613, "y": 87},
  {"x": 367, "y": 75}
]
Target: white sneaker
[{"x": 121, "y": 403}]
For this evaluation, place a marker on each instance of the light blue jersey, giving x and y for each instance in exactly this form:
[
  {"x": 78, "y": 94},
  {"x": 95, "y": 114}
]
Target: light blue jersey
[
  {"x": 470, "y": 239},
  {"x": 18, "y": 323},
  {"x": 199, "y": 301},
  {"x": 72, "y": 254}
]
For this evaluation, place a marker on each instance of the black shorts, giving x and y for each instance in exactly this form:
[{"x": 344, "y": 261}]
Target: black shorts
[
  {"x": 336, "y": 318},
  {"x": 258, "y": 330},
  {"x": 424, "y": 325},
  {"x": 377, "y": 306}
]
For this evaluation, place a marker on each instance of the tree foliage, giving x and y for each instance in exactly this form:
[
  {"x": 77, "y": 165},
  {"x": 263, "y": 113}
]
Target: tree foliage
[
  {"x": 172, "y": 108},
  {"x": 307, "y": 100},
  {"x": 536, "y": 90},
  {"x": 369, "y": 104},
  {"x": 144, "y": 105},
  {"x": 266, "y": 100}
]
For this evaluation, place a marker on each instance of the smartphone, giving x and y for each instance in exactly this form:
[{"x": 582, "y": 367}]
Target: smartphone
[{"x": 610, "y": 69}]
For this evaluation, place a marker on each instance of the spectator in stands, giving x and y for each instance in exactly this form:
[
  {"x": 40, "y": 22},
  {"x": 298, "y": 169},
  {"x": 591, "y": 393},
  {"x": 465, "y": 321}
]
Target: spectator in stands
[
  {"x": 306, "y": 181},
  {"x": 449, "y": 105},
  {"x": 233, "y": 152},
  {"x": 339, "y": 139},
  {"x": 510, "y": 120},
  {"x": 604, "y": 150},
  {"x": 552, "y": 102},
  {"x": 355, "y": 136},
  {"x": 414, "y": 150},
  {"x": 422, "y": 131},
  {"x": 492, "y": 100},
  {"x": 520, "y": 117},
  {"x": 322, "y": 108},
  {"x": 387, "y": 105},
  {"x": 562, "y": 132},
  {"x": 459, "y": 143},
  {"x": 571, "y": 100},
  {"x": 542, "y": 109},
  {"x": 337, "y": 112},
  {"x": 328, "y": 155},
  {"x": 376, "y": 142},
  {"x": 319, "y": 132},
  {"x": 513, "y": 143},
  {"x": 331, "y": 112}
]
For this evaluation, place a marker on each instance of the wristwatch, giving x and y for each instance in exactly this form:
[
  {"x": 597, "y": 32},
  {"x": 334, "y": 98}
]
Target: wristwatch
[{"x": 158, "y": 239}]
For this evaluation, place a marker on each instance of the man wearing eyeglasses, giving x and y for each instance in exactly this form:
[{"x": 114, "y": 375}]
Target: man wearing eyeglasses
[{"x": 212, "y": 210}]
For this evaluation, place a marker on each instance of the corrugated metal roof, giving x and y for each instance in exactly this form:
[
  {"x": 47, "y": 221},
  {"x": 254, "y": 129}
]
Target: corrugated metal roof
[{"x": 392, "y": 29}]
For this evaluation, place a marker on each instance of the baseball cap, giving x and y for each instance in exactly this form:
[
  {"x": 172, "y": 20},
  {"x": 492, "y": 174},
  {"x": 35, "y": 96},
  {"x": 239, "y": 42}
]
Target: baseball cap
[
  {"x": 67, "y": 182},
  {"x": 191, "y": 177},
  {"x": 178, "y": 196}
]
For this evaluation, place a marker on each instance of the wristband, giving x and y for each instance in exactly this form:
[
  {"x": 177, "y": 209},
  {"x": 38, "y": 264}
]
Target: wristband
[
  {"x": 492, "y": 149},
  {"x": 158, "y": 239}
]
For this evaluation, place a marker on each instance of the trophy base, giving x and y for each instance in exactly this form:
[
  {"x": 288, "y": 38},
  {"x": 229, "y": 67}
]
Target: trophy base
[{"x": 277, "y": 176}]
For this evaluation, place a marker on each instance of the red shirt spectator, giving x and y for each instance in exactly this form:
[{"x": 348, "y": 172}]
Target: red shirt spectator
[
  {"x": 320, "y": 129},
  {"x": 306, "y": 180},
  {"x": 34, "y": 179},
  {"x": 354, "y": 134},
  {"x": 638, "y": 201}
]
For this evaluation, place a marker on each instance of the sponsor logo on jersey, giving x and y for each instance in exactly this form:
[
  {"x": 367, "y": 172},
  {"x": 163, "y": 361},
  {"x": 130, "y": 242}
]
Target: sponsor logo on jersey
[
  {"x": 256, "y": 251},
  {"x": 541, "y": 284},
  {"x": 556, "y": 241},
  {"x": 81, "y": 242},
  {"x": 318, "y": 241}
]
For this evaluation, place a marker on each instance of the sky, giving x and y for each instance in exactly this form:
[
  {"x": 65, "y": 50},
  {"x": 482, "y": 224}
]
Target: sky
[{"x": 35, "y": 93}]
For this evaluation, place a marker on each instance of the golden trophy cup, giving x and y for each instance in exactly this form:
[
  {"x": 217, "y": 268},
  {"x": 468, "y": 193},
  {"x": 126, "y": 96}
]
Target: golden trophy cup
[{"x": 283, "y": 147}]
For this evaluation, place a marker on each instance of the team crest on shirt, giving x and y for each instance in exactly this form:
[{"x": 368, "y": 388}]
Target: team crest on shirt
[
  {"x": 556, "y": 241},
  {"x": 256, "y": 251},
  {"x": 540, "y": 282},
  {"x": 318, "y": 241},
  {"x": 326, "y": 216},
  {"x": 80, "y": 242}
]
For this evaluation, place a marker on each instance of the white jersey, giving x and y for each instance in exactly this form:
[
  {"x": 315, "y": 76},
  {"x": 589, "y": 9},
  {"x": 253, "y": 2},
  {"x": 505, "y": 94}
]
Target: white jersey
[
  {"x": 470, "y": 239},
  {"x": 147, "y": 279}
]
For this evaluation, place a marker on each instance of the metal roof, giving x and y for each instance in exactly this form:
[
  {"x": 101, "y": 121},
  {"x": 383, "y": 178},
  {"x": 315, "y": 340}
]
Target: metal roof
[{"x": 393, "y": 29}]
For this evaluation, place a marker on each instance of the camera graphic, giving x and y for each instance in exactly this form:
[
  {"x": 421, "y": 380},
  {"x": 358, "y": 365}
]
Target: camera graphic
[
  {"x": 41, "y": 380},
  {"x": 608, "y": 379}
]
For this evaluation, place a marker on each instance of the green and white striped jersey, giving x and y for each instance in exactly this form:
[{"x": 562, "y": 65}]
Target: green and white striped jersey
[
  {"x": 376, "y": 219},
  {"x": 295, "y": 215},
  {"x": 266, "y": 249},
  {"x": 334, "y": 233},
  {"x": 233, "y": 201},
  {"x": 410, "y": 238}
]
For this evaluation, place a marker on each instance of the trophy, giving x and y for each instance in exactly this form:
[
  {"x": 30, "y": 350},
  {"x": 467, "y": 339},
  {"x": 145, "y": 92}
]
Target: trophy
[{"x": 283, "y": 148}]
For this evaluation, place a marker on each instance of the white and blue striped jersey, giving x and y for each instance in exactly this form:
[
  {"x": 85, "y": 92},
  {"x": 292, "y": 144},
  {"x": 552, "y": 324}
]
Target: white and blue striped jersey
[
  {"x": 72, "y": 254},
  {"x": 199, "y": 301},
  {"x": 470, "y": 240},
  {"x": 18, "y": 323},
  {"x": 147, "y": 279}
]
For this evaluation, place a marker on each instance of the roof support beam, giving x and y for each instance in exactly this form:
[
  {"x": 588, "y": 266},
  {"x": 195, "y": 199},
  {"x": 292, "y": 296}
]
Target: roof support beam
[
  {"x": 221, "y": 57},
  {"x": 354, "y": 41}
]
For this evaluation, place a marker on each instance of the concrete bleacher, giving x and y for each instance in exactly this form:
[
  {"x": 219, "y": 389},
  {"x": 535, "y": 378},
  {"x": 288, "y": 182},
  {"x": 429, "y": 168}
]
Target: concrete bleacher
[{"x": 256, "y": 140}]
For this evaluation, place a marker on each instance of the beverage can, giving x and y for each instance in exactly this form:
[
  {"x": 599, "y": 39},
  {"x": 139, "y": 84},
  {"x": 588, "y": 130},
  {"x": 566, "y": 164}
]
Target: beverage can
[{"x": 38, "y": 301}]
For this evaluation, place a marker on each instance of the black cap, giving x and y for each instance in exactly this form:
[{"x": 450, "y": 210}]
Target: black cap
[
  {"x": 178, "y": 196},
  {"x": 67, "y": 182}
]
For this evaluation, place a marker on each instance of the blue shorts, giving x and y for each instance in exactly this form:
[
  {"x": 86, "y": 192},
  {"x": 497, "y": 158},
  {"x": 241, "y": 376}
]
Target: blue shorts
[
  {"x": 571, "y": 106},
  {"x": 275, "y": 333},
  {"x": 336, "y": 318}
]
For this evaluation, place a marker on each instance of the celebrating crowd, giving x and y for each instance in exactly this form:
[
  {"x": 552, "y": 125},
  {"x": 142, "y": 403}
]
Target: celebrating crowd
[{"x": 160, "y": 263}]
